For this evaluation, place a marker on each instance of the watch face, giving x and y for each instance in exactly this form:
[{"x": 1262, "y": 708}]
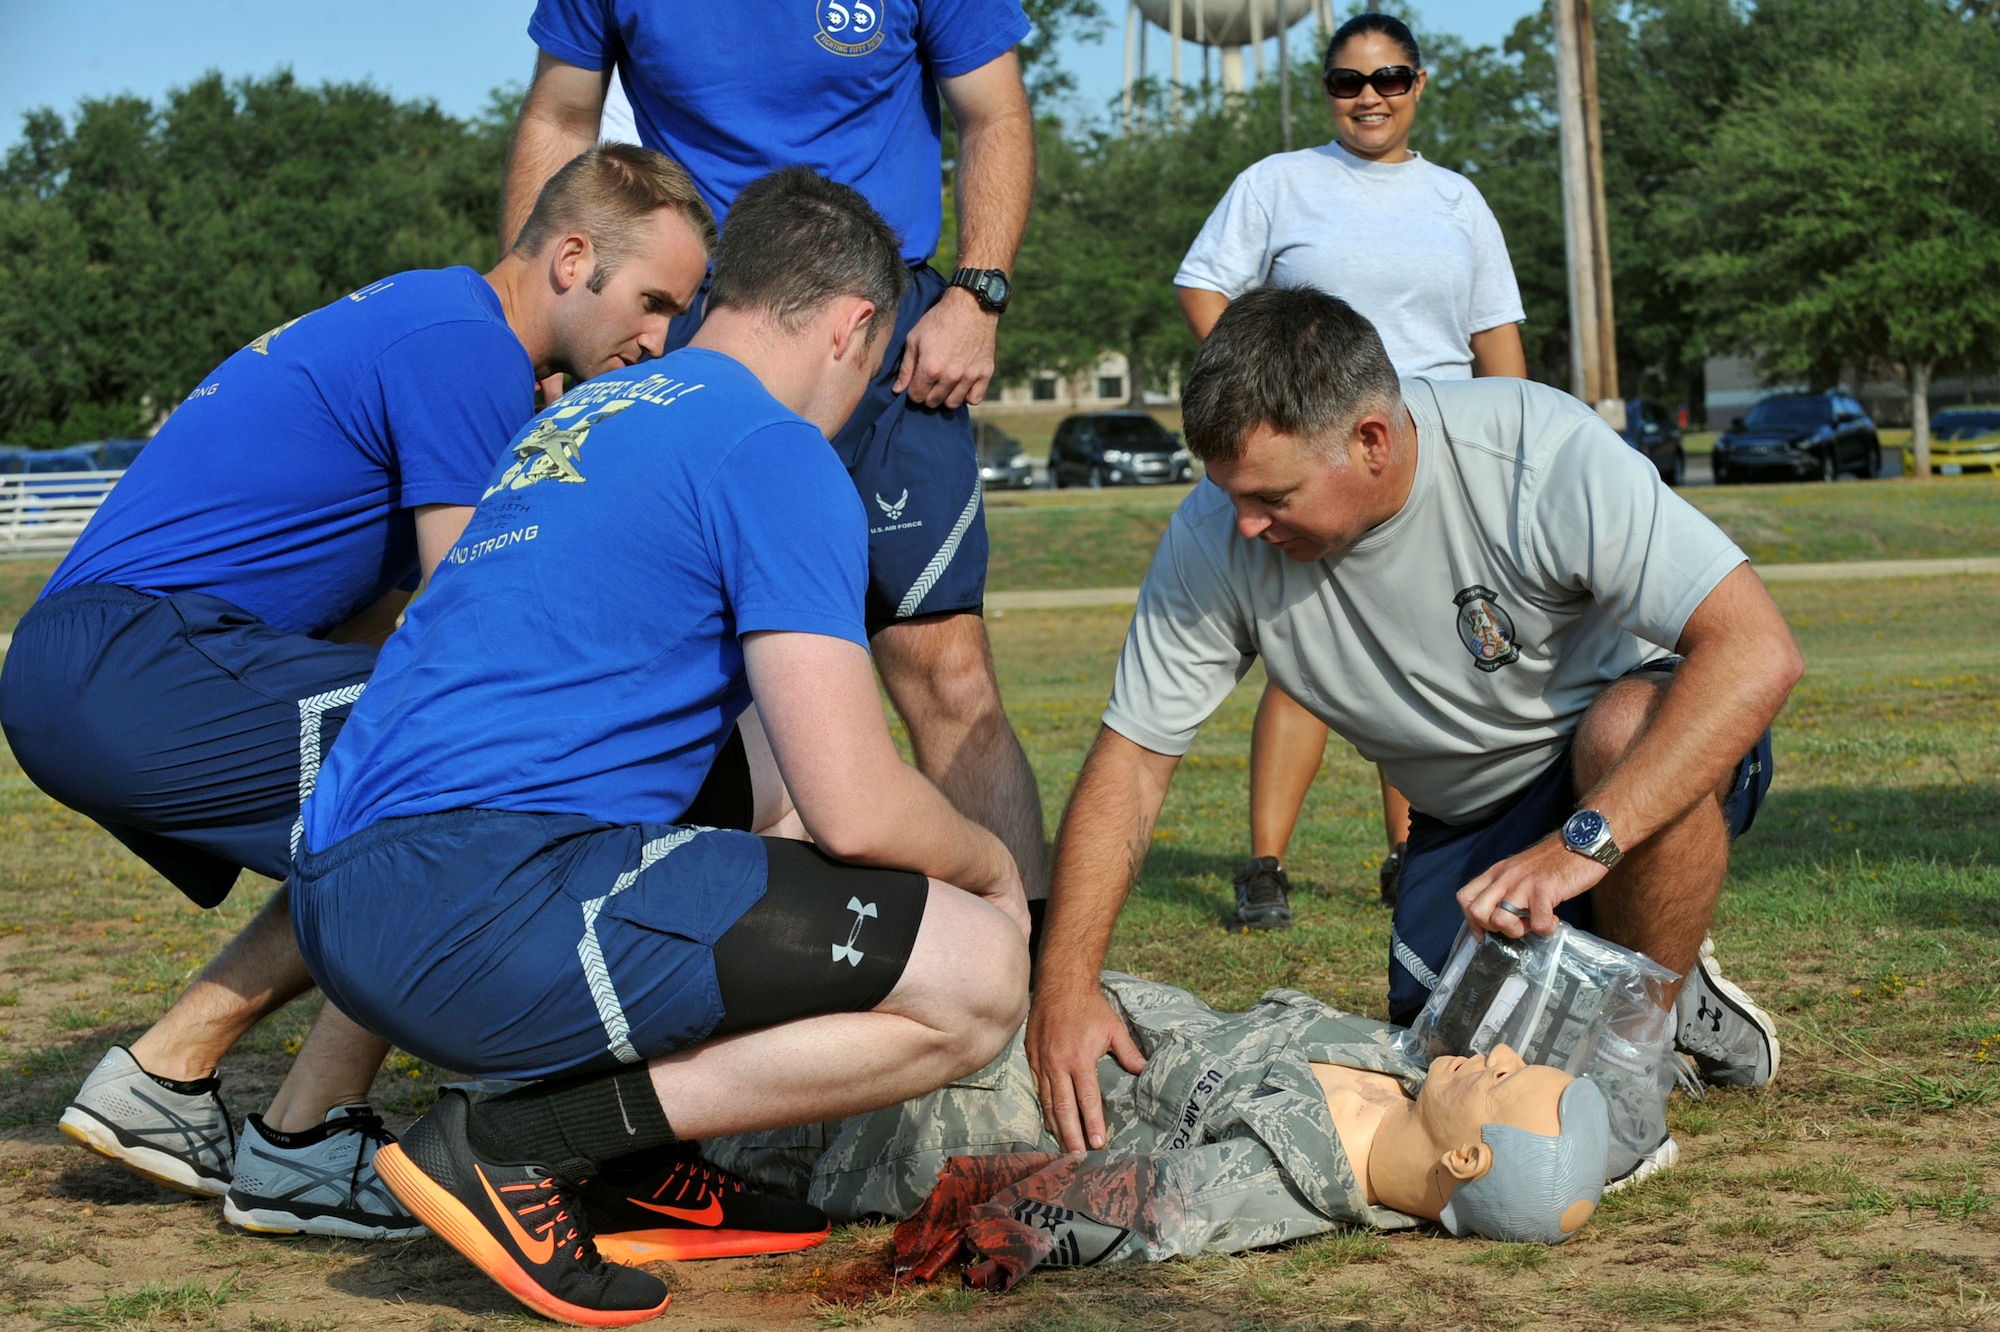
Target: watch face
[
  {"x": 1584, "y": 827},
  {"x": 998, "y": 289}
]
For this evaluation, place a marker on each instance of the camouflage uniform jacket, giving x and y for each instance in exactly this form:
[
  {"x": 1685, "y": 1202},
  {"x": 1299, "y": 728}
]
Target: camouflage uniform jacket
[{"x": 1242, "y": 1147}]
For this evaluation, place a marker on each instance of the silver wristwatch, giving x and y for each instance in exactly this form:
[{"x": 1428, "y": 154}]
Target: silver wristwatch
[{"x": 1588, "y": 833}]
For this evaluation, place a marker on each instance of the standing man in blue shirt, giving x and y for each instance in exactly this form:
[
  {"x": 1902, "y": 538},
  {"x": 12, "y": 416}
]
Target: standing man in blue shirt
[
  {"x": 851, "y": 88},
  {"x": 188, "y": 664},
  {"x": 496, "y": 871}
]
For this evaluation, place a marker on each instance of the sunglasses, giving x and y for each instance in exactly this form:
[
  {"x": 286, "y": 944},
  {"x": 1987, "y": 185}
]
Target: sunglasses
[{"x": 1390, "y": 81}]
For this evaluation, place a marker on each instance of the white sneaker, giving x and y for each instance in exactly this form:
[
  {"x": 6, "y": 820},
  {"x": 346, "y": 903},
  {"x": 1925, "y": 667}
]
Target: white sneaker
[
  {"x": 182, "y": 1140},
  {"x": 1652, "y": 1163},
  {"x": 321, "y": 1181}
]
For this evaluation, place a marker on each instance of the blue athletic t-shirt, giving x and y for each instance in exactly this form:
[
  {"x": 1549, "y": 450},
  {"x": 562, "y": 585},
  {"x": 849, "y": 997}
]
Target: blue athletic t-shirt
[
  {"x": 578, "y": 650},
  {"x": 847, "y": 87},
  {"x": 284, "y": 483}
]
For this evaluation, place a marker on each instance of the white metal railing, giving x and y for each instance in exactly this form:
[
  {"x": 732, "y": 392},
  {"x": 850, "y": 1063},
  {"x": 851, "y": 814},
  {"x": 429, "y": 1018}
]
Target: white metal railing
[{"x": 44, "y": 513}]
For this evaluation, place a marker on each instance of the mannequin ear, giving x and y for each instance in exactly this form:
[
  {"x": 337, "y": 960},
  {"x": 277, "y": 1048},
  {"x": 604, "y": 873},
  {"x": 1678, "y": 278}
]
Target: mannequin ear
[{"x": 1469, "y": 1162}]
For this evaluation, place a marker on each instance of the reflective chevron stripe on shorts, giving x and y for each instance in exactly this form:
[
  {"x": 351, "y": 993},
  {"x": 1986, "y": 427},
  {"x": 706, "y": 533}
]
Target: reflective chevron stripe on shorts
[
  {"x": 603, "y": 993},
  {"x": 312, "y": 715},
  {"x": 940, "y": 561},
  {"x": 1411, "y": 962}
]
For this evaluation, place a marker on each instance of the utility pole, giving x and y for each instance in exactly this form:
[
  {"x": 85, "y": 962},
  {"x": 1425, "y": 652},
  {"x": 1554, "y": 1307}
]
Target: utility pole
[
  {"x": 1593, "y": 342},
  {"x": 1284, "y": 78}
]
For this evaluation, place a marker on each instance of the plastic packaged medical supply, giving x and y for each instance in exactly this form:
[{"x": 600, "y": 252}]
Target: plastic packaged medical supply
[{"x": 1572, "y": 1001}]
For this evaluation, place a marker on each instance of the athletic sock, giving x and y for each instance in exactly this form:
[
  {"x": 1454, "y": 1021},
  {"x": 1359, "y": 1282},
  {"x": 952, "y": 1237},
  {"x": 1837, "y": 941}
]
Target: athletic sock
[
  {"x": 186, "y": 1086},
  {"x": 590, "y": 1119}
]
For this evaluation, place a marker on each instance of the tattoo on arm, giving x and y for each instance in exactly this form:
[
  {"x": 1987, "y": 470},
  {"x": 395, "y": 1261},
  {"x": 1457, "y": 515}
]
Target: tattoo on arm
[{"x": 1135, "y": 851}]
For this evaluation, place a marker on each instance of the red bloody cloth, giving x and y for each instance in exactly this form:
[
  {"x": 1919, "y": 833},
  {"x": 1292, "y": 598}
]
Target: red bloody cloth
[
  {"x": 930, "y": 1238},
  {"x": 1016, "y": 1213}
]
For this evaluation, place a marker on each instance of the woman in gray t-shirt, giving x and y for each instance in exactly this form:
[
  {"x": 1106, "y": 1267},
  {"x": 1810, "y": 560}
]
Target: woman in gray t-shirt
[{"x": 1412, "y": 246}]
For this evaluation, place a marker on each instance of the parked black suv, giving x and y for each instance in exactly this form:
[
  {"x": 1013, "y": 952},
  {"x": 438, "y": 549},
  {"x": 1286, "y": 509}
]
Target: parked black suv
[
  {"x": 1799, "y": 435},
  {"x": 1117, "y": 449},
  {"x": 1653, "y": 431}
]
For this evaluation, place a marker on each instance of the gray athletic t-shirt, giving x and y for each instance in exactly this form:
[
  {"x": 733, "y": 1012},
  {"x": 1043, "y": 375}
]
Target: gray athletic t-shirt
[
  {"x": 1409, "y": 244},
  {"x": 1537, "y": 559}
]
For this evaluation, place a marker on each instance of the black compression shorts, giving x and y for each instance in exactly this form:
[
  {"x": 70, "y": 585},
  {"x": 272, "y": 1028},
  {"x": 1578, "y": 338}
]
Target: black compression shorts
[{"x": 826, "y": 937}]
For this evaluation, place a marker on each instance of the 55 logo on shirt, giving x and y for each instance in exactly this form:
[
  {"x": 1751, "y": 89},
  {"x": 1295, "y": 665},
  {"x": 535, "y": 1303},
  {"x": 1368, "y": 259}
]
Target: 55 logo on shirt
[{"x": 849, "y": 27}]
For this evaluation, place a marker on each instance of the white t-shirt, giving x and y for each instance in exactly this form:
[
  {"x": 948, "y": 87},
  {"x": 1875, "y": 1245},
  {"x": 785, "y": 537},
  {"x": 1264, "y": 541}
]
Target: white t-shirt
[
  {"x": 1537, "y": 559},
  {"x": 1409, "y": 244}
]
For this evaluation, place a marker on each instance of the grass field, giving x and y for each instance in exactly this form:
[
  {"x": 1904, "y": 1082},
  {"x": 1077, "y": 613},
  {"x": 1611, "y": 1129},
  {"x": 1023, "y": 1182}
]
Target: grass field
[
  {"x": 1105, "y": 538},
  {"x": 1859, "y": 1192}
]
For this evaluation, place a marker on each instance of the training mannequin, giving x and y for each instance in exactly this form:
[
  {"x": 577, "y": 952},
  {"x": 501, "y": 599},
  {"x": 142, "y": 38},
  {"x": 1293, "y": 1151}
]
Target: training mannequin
[
  {"x": 1243, "y": 1130},
  {"x": 1415, "y": 1154}
]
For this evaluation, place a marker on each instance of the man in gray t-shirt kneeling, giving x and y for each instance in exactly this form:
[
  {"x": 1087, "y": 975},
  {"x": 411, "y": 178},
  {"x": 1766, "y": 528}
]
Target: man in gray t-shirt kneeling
[{"x": 1567, "y": 668}]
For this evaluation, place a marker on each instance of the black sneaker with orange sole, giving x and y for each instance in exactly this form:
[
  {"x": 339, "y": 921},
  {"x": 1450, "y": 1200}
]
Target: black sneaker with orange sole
[
  {"x": 518, "y": 1222},
  {"x": 673, "y": 1205}
]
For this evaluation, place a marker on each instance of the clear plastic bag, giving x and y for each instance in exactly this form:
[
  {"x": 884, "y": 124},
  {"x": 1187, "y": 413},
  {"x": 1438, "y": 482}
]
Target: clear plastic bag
[{"x": 1572, "y": 1001}]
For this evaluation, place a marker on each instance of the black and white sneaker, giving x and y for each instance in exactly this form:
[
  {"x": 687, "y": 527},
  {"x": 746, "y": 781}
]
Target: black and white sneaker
[
  {"x": 1732, "y": 1041},
  {"x": 181, "y": 1139},
  {"x": 320, "y": 1181},
  {"x": 1263, "y": 896}
]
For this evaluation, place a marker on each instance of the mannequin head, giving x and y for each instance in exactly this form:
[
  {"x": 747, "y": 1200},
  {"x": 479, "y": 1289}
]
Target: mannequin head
[{"x": 1496, "y": 1147}]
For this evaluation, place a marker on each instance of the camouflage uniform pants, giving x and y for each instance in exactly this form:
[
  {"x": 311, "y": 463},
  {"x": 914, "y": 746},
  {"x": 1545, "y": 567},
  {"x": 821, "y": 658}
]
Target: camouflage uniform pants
[{"x": 1238, "y": 1146}]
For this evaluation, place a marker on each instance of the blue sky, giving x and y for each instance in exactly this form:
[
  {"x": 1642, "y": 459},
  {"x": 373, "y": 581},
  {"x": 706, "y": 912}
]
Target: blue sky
[{"x": 56, "y": 52}]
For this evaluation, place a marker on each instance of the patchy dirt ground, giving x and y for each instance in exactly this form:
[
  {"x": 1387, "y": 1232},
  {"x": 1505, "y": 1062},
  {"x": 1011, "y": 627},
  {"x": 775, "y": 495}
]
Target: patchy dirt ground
[
  {"x": 1776, "y": 1219},
  {"x": 1862, "y": 1191}
]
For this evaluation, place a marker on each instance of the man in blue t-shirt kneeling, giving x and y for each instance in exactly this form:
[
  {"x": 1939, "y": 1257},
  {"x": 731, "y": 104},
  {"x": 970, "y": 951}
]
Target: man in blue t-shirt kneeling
[
  {"x": 496, "y": 872},
  {"x": 190, "y": 661},
  {"x": 854, "y": 91}
]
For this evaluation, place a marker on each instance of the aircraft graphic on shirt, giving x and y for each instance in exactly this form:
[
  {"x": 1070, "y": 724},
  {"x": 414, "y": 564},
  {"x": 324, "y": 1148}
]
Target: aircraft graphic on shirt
[
  {"x": 261, "y": 344},
  {"x": 550, "y": 451}
]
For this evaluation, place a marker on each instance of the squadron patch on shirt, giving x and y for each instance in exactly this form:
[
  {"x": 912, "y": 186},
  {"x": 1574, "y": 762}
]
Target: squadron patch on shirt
[
  {"x": 1485, "y": 629},
  {"x": 849, "y": 27}
]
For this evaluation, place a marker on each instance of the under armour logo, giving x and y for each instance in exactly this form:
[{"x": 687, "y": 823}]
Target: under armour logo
[
  {"x": 893, "y": 512},
  {"x": 847, "y": 952},
  {"x": 1703, "y": 1013}
]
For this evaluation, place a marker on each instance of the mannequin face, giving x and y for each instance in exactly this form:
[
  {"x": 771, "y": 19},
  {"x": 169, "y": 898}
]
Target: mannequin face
[{"x": 1462, "y": 1094}]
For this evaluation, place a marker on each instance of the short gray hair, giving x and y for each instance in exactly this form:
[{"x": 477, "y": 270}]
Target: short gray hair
[
  {"x": 1298, "y": 361},
  {"x": 794, "y": 240}
]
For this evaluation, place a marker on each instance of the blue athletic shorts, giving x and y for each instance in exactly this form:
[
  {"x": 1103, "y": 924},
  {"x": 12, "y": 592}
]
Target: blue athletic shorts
[
  {"x": 186, "y": 726},
  {"x": 918, "y": 473},
  {"x": 1443, "y": 858},
  {"x": 543, "y": 945}
]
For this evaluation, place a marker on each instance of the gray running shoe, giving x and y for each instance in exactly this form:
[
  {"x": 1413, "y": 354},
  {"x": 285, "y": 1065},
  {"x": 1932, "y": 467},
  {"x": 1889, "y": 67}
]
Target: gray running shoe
[
  {"x": 1652, "y": 1163},
  {"x": 182, "y": 1140},
  {"x": 1733, "y": 1042},
  {"x": 1263, "y": 896},
  {"x": 320, "y": 1181}
]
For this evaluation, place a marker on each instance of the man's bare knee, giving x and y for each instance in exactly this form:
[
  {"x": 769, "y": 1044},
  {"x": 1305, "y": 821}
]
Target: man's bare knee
[
  {"x": 968, "y": 981},
  {"x": 1613, "y": 723}
]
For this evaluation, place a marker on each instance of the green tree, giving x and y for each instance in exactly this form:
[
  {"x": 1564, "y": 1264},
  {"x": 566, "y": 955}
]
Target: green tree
[
  {"x": 1114, "y": 215},
  {"x": 142, "y": 245},
  {"x": 1849, "y": 213}
]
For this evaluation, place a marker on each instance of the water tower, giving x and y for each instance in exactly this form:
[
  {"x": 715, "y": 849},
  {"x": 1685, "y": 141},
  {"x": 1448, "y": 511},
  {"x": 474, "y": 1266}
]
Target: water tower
[{"x": 1226, "y": 25}]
